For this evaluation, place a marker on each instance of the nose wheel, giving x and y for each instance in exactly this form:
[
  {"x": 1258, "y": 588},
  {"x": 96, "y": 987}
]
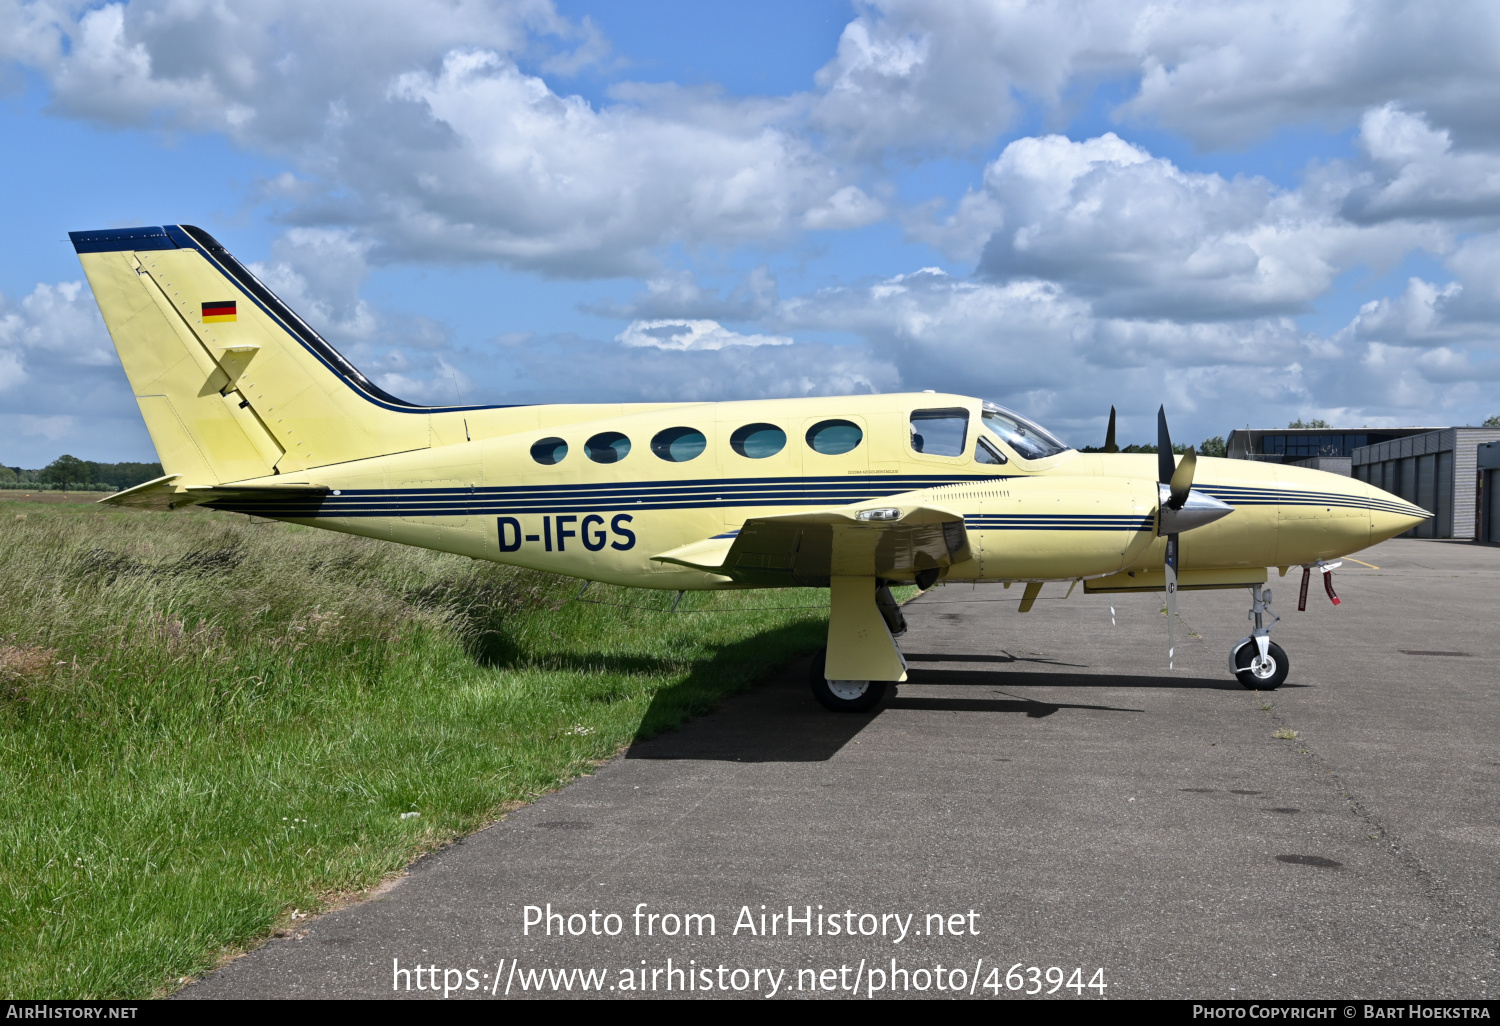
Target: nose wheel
[
  {"x": 1260, "y": 672},
  {"x": 1258, "y": 662}
]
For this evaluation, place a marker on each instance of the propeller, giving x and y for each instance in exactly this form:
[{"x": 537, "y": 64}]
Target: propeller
[
  {"x": 1175, "y": 483},
  {"x": 1181, "y": 509},
  {"x": 1109, "y": 434},
  {"x": 1180, "y": 483}
]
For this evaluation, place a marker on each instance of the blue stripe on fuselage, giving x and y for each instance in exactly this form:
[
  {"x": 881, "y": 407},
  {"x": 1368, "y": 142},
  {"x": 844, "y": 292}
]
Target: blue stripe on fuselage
[
  {"x": 586, "y": 498},
  {"x": 1058, "y": 522},
  {"x": 725, "y": 493}
]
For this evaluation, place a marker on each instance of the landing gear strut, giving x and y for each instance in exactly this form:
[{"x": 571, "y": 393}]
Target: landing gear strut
[{"x": 1259, "y": 663}]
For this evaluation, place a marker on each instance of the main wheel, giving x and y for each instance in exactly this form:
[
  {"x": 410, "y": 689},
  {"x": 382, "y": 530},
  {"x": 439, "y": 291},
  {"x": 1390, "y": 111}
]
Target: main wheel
[
  {"x": 844, "y": 695},
  {"x": 1257, "y": 674}
]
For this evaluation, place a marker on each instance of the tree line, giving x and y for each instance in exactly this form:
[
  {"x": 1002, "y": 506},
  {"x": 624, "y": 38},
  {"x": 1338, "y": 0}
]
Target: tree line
[
  {"x": 1208, "y": 447},
  {"x": 71, "y": 473}
]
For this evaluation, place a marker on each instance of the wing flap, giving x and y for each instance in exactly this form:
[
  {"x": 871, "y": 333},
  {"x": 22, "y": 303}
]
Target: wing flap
[{"x": 892, "y": 540}]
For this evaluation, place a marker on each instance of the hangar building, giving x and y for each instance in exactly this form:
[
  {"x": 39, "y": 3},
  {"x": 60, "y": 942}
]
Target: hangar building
[
  {"x": 1320, "y": 448},
  {"x": 1438, "y": 470}
]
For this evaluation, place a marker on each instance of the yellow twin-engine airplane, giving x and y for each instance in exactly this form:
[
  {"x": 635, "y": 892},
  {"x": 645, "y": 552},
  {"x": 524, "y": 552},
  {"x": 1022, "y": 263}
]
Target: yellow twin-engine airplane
[{"x": 252, "y": 411}]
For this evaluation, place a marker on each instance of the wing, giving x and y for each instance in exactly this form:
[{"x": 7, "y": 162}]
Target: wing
[
  {"x": 890, "y": 539},
  {"x": 168, "y": 492}
]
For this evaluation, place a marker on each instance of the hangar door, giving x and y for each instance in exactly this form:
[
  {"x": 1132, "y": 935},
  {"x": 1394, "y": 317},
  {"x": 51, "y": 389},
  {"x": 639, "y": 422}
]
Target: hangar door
[{"x": 1489, "y": 525}]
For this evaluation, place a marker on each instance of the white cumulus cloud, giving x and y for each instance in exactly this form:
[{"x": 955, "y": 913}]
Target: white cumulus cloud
[
  {"x": 318, "y": 272},
  {"x": 1033, "y": 346},
  {"x": 910, "y": 74},
  {"x": 444, "y": 131},
  {"x": 61, "y": 384},
  {"x": 414, "y": 121},
  {"x": 55, "y": 324},
  {"x": 1417, "y": 173},
  {"x": 694, "y": 335},
  {"x": 1139, "y": 237}
]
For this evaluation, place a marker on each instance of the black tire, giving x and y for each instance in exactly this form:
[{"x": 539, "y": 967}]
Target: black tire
[
  {"x": 844, "y": 696},
  {"x": 1261, "y": 681}
]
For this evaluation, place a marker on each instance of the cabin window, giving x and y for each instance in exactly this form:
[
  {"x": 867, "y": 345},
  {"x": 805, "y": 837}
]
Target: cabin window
[
  {"x": 939, "y": 432},
  {"x": 607, "y": 447},
  {"x": 834, "y": 437},
  {"x": 986, "y": 453},
  {"x": 679, "y": 444},
  {"x": 549, "y": 451},
  {"x": 757, "y": 441}
]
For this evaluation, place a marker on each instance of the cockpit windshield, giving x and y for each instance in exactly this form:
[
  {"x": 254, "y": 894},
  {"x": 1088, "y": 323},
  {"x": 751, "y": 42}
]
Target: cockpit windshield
[{"x": 1030, "y": 441}]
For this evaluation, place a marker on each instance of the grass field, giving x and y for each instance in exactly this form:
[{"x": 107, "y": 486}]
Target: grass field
[{"x": 208, "y": 725}]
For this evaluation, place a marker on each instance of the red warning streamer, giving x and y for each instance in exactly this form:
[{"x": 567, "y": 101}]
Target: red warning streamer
[
  {"x": 1328, "y": 586},
  {"x": 1302, "y": 595}
]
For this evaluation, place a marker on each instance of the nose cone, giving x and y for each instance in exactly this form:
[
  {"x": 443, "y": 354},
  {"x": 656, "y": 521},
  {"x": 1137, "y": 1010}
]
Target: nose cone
[
  {"x": 1324, "y": 516},
  {"x": 1391, "y": 515}
]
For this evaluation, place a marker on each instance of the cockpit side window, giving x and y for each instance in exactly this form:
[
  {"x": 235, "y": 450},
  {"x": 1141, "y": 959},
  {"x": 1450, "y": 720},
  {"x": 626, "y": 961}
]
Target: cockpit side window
[
  {"x": 1029, "y": 440},
  {"x": 988, "y": 454},
  {"x": 940, "y": 432}
]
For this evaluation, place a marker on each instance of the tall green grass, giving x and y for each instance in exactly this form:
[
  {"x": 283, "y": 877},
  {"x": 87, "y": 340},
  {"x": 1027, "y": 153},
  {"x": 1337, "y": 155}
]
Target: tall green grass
[{"x": 208, "y": 726}]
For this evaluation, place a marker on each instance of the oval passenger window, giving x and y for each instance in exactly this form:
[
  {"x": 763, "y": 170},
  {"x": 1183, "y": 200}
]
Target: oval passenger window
[
  {"x": 679, "y": 444},
  {"x": 834, "y": 437},
  {"x": 757, "y": 441},
  {"x": 549, "y": 451},
  {"x": 607, "y": 447}
]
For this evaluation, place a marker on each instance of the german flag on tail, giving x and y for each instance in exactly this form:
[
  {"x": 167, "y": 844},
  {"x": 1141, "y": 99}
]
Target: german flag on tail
[{"x": 214, "y": 313}]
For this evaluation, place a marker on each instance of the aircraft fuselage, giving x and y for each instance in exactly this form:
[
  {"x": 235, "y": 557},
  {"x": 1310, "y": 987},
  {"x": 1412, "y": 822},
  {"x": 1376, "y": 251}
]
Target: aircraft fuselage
[{"x": 1067, "y": 516}]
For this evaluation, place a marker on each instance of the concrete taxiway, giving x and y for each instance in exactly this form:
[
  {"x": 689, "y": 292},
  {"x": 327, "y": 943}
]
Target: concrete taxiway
[{"x": 1042, "y": 770}]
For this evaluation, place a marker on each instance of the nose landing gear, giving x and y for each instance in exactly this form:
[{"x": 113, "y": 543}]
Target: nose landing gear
[{"x": 1257, "y": 662}]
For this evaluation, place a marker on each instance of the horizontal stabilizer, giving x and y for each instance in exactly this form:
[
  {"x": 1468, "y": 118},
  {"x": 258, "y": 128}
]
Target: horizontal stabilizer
[{"x": 167, "y": 493}]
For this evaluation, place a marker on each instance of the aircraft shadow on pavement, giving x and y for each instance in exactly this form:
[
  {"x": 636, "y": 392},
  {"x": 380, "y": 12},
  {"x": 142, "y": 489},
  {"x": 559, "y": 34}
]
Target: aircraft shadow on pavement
[
  {"x": 776, "y": 720},
  {"x": 779, "y": 721},
  {"x": 1033, "y": 709},
  {"x": 754, "y": 731},
  {"x": 1002, "y": 657}
]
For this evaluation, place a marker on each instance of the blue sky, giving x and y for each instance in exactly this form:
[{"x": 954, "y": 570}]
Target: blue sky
[{"x": 1250, "y": 212}]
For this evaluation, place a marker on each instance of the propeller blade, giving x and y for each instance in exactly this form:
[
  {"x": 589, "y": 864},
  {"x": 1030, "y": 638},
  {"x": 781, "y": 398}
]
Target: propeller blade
[
  {"x": 1171, "y": 568},
  {"x": 1109, "y": 434},
  {"x": 1182, "y": 479},
  {"x": 1164, "y": 464}
]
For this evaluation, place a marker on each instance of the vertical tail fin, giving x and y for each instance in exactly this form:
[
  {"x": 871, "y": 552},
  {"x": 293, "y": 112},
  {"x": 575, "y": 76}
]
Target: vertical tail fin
[{"x": 232, "y": 384}]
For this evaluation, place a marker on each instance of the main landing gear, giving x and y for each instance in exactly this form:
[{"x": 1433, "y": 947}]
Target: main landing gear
[
  {"x": 1259, "y": 663},
  {"x": 844, "y": 695},
  {"x": 857, "y": 696}
]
